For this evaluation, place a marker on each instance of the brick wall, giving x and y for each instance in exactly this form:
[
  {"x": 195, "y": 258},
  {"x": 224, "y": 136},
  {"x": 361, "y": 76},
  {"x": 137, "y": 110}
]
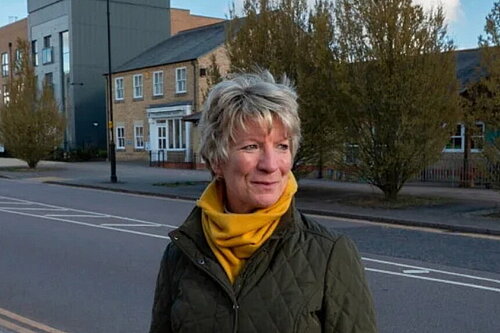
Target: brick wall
[
  {"x": 130, "y": 111},
  {"x": 181, "y": 19},
  {"x": 9, "y": 34}
]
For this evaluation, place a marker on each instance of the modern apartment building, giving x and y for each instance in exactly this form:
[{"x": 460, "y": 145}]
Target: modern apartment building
[{"x": 70, "y": 51}]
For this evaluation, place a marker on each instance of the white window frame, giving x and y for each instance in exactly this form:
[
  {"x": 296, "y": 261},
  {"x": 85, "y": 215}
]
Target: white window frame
[
  {"x": 119, "y": 89},
  {"x": 138, "y": 82},
  {"x": 158, "y": 79},
  {"x": 476, "y": 135},
  {"x": 461, "y": 136},
  {"x": 180, "y": 80},
  {"x": 5, "y": 64},
  {"x": 462, "y": 139},
  {"x": 176, "y": 137},
  {"x": 139, "y": 136},
  {"x": 120, "y": 137},
  {"x": 5, "y": 94}
]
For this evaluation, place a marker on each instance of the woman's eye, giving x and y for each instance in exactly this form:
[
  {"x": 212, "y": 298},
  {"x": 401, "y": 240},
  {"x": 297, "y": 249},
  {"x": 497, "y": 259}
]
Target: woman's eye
[
  {"x": 283, "y": 146},
  {"x": 250, "y": 147}
]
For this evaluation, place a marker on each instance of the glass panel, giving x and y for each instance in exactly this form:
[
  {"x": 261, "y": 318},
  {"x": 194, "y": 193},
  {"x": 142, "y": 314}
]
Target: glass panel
[
  {"x": 170, "y": 134},
  {"x": 65, "y": 51},
  {"x": 178, "y": 133}
]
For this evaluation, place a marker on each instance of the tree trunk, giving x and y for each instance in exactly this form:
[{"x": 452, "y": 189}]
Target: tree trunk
[
  {"x": 467, "y": 178},
  {"x": 320, "y": 165}
]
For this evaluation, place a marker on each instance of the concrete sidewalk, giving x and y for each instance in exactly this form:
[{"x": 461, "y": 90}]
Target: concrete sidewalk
[{"x": 453, "y": 209}]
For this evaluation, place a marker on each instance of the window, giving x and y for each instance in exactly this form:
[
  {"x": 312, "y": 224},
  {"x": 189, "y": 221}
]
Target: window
[
  {"x": 120, "y": 137},
  {"x": 5, "y": 64},
  {"x": 180, "y": 80},
  {"x": 158, "y": 83},
  {"x": 5, "y": 94},
  {"x": 34, "y": 53},
  {"x": 176, "y": 138},
  {"x": 46, "y": 51},
  {"x": 138, "y": 86},
  {"x": 139, "y": 136},
  {"x": 119, "y": 93},
  {"x": 477, "y": 138},
  {"x": 49, "y": 79},
  {"x": 162, "y": 134},
  {"x": 65, "y": 51},
  {"x": 171, "y": 134},
  {"x": 18, "y": 60},
  {"x": 456, "y": 141}
]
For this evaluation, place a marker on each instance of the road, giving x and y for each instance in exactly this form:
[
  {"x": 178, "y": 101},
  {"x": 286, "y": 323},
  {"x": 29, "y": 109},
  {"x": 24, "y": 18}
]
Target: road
[{"x": 85, "y": 261}]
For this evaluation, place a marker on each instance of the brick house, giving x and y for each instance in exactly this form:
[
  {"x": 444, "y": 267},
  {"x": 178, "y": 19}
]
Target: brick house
[
  {"x": 157, "y": 97},
  {"x": 8, "y": 55}
]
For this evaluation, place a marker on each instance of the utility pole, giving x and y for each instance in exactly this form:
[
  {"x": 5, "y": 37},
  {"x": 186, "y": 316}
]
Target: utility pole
[{"x": 111, "y": 136}]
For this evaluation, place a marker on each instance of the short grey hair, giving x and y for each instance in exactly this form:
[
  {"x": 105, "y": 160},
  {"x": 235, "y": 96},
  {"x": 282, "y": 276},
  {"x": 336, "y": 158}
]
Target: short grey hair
[{"x": 242, "y": 98}]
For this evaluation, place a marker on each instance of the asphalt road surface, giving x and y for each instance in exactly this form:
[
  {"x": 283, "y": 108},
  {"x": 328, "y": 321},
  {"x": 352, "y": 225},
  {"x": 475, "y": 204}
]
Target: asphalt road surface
[{"x": 85, "y": 261}]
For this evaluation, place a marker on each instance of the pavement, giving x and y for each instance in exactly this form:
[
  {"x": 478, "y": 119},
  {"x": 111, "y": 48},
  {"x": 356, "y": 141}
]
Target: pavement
[{"x": 474, "y": 210}]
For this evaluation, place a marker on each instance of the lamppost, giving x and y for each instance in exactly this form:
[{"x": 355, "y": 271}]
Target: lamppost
[{"x": 111, "y": 149}]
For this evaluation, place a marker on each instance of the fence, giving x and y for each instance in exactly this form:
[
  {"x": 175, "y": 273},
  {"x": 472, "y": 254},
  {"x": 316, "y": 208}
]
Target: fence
[
  {"x": 479, "y": 172},
  {"x": 449, "y": 171},
  {"x": 156, "y": 158}
]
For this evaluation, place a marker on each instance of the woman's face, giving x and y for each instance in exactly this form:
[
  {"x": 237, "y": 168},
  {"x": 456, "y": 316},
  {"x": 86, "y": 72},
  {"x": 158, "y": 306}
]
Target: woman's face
[{"x": 256, "y": 171}]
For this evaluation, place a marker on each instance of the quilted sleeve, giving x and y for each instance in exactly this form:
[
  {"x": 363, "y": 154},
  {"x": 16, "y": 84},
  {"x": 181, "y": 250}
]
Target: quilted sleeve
[
  {"x": 160, "y": 322},
  {"x": 348, "y": 305}
]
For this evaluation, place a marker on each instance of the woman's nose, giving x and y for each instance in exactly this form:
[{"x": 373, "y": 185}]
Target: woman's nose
[{"x": 268, "y": 161}]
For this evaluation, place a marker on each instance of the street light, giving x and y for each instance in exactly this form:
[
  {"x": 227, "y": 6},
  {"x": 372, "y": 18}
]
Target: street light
[{"x": 111, "y": 149}]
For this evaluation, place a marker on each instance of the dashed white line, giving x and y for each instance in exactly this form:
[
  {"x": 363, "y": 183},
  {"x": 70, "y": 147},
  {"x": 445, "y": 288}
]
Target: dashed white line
[
  {"x": 416, "y": 271},
  {"x": 34, "y": 208},
  {"x": 76, "y": 215},
  {"x": 129, "y": 225},
  {"x": 462, "y": 284},
  {"x": 430, "y": 270}
]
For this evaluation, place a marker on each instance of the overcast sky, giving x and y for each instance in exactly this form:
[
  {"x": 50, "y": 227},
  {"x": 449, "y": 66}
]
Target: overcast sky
[{"x": 465, "y": 18}]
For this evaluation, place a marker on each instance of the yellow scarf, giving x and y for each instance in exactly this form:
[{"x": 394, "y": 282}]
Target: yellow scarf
[{"x": 233, "y": 238}]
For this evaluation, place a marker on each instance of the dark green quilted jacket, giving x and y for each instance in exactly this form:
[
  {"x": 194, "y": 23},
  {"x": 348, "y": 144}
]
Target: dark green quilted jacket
[{"x": 303, "y": 278}]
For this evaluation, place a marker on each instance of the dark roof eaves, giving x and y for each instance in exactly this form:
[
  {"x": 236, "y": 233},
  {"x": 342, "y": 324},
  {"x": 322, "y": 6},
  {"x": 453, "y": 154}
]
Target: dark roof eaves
[{"x": 151, "y": 66}]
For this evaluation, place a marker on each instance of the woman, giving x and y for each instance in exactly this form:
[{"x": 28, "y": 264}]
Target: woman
[{"x": 246, "y": 260}]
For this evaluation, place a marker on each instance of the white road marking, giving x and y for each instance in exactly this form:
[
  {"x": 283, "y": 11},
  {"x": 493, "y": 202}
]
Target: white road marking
[
  {"x": 416, "y": 271},
  {"x": 34, "y": 208},
  {"x": 91, "y": 225},
  {"x": 430, "y": 270},
  {"x": 13, "y": 203},
  {"x": 129, "y": 225},
  {"x": 84, "y": 212},
  {"x": 141, "y": 223},
  {"x": 435, "y": 280},
  {"x": 76, "y": 215},
  {"x": 26, "y": 321}
]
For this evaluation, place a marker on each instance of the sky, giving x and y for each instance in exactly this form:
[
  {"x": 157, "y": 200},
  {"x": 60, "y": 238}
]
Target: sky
[{"x": 465, "y": 18}]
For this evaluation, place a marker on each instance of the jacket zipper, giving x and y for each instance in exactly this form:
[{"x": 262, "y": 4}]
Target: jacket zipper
[
  {"x": 235, "y": 318},
  {"x": 229, "y": 291}
]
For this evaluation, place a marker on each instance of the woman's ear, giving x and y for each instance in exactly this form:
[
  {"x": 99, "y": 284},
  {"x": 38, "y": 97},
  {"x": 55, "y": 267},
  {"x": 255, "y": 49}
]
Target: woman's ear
[{"x": 217, "y": 171}]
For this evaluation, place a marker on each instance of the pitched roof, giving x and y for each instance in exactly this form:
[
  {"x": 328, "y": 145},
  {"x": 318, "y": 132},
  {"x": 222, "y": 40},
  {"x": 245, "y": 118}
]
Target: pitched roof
[
  {"x": 468, "y": 67},
  {"x": 184, "y": 46}
]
